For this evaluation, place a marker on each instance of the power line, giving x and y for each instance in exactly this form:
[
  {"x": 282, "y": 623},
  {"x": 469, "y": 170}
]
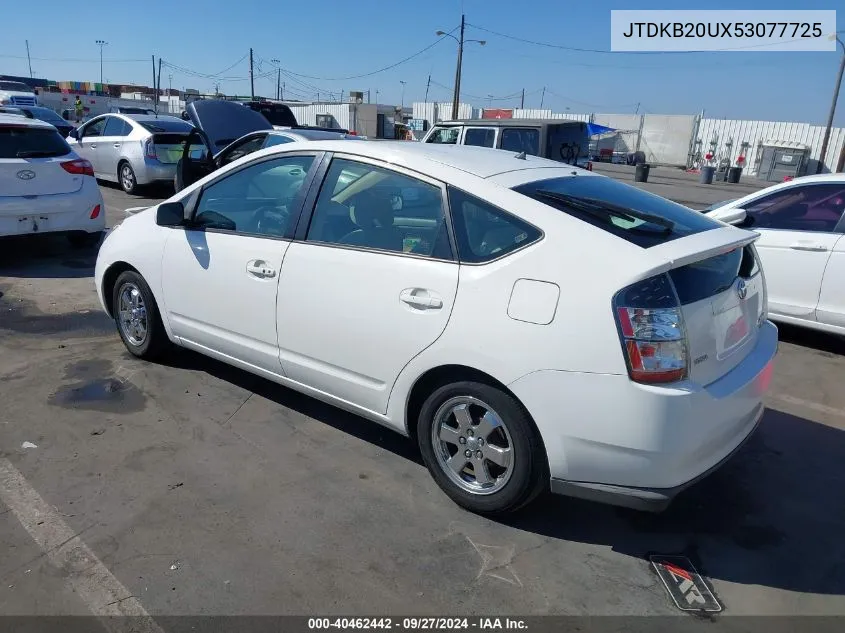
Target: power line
[
  {"x": 596, "y": 50},
  {"x": 380, "y": 70}
]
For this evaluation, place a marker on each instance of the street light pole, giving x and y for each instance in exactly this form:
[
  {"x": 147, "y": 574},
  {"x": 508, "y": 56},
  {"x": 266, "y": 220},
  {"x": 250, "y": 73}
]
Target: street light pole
[
  {"x": 101, "y": 43},
  {"x": 403, "y": 94},
  {"x": 837, "y": 85},
  {"x": 457, "y": 95}
]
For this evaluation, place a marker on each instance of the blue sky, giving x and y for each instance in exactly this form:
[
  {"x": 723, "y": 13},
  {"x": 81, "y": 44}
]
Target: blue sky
[{"x": 331, "y": 39}]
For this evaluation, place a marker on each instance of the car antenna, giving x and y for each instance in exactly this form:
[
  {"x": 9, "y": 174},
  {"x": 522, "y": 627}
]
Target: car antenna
[{"x": 521, "y": 155}]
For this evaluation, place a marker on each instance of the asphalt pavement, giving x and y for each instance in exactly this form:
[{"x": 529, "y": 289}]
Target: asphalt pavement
[{"x": 189, "y": 487}]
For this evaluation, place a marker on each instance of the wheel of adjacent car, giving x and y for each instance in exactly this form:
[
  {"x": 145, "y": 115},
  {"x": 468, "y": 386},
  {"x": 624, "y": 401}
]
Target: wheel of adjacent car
[
  {"x": 84, "y": 240},
  {"x": 481, "y": 447},
  {"x": 137, "y": 317},
  {"x": 126, "y": 175}
]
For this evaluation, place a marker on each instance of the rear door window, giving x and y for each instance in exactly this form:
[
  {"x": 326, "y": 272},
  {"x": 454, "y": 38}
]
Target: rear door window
[
  {"x": 484, "y": 232},
  {"x": 95, "y": 128},
  {"x": 625, "y": 211},
  {"x": 116, "y": 127},
  {"x": 31, "y": 142},
  {"x": 813, "y": 207},
  {"x": 521, "y": 140},
  {"x": 480, "y": 136}
]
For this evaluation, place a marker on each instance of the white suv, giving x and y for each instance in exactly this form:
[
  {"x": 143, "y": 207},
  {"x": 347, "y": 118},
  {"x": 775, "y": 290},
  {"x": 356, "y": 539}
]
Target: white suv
[{"x": 44, "y": 186}]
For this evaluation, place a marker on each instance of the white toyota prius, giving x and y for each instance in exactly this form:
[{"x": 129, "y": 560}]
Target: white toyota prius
[{"x": 531, "y": 325}]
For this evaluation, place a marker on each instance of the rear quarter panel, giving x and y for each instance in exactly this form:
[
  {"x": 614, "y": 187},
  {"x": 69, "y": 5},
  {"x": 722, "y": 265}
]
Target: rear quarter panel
[{"x": 587, "y": 265}]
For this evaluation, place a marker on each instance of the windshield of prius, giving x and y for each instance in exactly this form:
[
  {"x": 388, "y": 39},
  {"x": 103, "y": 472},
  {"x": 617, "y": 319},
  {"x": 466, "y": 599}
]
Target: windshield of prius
[{"x": 630, "y": 213}]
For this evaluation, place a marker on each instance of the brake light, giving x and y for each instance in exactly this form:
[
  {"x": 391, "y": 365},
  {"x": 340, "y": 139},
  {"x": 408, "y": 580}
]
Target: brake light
[
  {"x": 589, "y": 165},
  {"x": 95, "y": 213},
  {"x": 79, "y": 166},
  {"x": 651, "y": 325},
  {"x": 352, "y": 133},
  {"x": 150, "y": 149}
]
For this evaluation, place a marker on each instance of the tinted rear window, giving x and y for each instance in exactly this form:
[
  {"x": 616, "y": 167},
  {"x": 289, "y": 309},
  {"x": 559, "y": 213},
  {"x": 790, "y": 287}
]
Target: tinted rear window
[
  {"x": 162, "y": 125},
  {"x": 712, "y": 276},
  {"x": 603, "y": 202},
  {"x": 28, "y": 142},
  {"x": 46, "y": 114}
]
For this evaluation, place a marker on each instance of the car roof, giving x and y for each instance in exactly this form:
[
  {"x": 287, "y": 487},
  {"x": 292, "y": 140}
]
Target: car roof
[
  {"x": 314, "y": 135},
  {"x": 479, "y": 161},
  {"x": 146, "y": 118},
  {"x": 17, "y": 119},
  {"x": 503, "y": 122}
]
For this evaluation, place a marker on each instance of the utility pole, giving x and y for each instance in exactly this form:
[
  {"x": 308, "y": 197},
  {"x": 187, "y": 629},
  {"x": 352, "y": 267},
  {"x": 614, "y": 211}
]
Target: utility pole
[
  {"x": 279, "y": 85},
  {"x": 28, "y": 60},
  {"x": 368, "y": 95},
  {"x": 427, "y": 85},
  {"x": 542, "y": 97},
  {"x": 158, "y": 85},
  {"x": 251, "y": 77},
  {"x": 403, "y": 93},
  {"x": 376, "y": 96},
  {"x": 99, "y": 43},
  {"x": 837, "y": 85},
  {"x": 341, "y": 96},
  {"x": 282, "y": 95},
  {"x": 154, "y": 78},
  {"x": 522, "y": 101},
  {"x": 457, "y": 96},
  {"x": 637, "y": 111}
]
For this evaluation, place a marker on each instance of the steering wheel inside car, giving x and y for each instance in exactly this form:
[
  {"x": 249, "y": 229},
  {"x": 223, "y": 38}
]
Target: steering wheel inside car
[{"x": 270, "y": 220}]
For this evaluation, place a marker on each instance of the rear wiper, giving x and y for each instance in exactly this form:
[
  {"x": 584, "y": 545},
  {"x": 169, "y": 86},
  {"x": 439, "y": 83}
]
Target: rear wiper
[
  {"x": 37, "y": 153},
  {"x": 603, "y": 210}
]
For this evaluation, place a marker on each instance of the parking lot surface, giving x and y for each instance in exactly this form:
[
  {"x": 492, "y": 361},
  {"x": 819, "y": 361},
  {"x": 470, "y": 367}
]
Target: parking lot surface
[{"x": 195, "y": 488}]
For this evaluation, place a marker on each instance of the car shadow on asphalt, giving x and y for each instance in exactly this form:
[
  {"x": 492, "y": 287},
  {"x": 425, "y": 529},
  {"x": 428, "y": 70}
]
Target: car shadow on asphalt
[
  {"x": 772, "y": 516},
  {"x": 327, "y": 414},
  {"x": 820, "y": 341},
  {"x": 45, "y": 257}
]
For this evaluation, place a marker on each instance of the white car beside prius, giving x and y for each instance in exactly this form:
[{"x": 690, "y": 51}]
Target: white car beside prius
[
  {"x": 45, "y": 187},
  {"x": 531, "y": 325},
  {"x": 801, "y": 246}
]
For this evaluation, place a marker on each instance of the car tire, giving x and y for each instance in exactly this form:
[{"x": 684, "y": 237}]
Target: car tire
[
  {"x": 137, "y": 317},
  {"x": 497, "y": 437},
  {"x": 126, "y": 178},
  {"x": 84, "y": 240}
]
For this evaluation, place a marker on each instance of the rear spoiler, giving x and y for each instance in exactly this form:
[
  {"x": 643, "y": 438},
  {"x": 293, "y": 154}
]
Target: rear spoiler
[{"x": 695, "y": 248}]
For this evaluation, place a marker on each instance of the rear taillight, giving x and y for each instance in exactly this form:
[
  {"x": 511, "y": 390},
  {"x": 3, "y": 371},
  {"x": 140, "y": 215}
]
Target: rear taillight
[
  {"x": 95, "y": 212},
  {"x": 650, "y": 323},
  {"x": 149, "y": 149},
  {"x": 589, "y": 165},
  {"x": 79, "y": 166}
]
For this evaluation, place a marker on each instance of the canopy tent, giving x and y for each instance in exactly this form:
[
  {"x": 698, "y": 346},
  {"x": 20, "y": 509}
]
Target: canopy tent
[{"x": 594, "y": 129}]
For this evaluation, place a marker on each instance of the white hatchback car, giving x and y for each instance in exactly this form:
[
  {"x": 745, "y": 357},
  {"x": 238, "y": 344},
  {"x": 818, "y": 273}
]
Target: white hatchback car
[
  {"x": 44, "y": 186},
  {"x": 802, "y": 247},
  {"x": 528, "y": 323}
]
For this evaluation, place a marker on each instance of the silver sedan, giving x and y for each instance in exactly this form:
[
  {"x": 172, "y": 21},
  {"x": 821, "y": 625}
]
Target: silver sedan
[{"x": 132, "y": 149}]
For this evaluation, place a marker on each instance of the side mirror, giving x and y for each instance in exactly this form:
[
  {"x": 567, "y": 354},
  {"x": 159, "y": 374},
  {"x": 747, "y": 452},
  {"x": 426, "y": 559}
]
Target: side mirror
[
  {"x": 736, "y": 216},
  {"x": 170, "y": 214},
  {"x": 73, "y": 133}
]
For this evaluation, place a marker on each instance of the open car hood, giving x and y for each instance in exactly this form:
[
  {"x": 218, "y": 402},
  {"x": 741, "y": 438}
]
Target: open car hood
[{"x": 225, "y": 121}]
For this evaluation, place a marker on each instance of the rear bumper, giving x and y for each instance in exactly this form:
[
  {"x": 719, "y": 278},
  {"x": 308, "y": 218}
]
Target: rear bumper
[
  {"x": 613, "y": 440},
  {"x": 645, "y": 499},
  {"x": 59, "y": 213},
  {"x": 154, "y": 171}
]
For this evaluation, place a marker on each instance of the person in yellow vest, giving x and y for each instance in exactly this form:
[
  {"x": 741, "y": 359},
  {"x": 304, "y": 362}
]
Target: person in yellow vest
[{"x": 79, "y": 108}]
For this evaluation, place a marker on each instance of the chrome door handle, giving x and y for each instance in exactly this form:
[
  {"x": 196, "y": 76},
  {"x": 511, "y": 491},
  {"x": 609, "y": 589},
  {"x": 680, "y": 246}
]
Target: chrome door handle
[
  {"x": 806, "y": 246},
  {"x": 420, "y": 298},
  {"x": 117, "y": 145},
  {"x": 260, "y": 269},
  {"x": 93, "y": 146}
]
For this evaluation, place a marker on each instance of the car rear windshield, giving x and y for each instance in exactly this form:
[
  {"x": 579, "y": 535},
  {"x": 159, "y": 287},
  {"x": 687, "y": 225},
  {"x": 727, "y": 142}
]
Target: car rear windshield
[
  {"x": 160, "y": 125},
  {"x": 31, "y": 142},
  {"x": 46, "y": 114},
  {"x": 636, "y": 216}
]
